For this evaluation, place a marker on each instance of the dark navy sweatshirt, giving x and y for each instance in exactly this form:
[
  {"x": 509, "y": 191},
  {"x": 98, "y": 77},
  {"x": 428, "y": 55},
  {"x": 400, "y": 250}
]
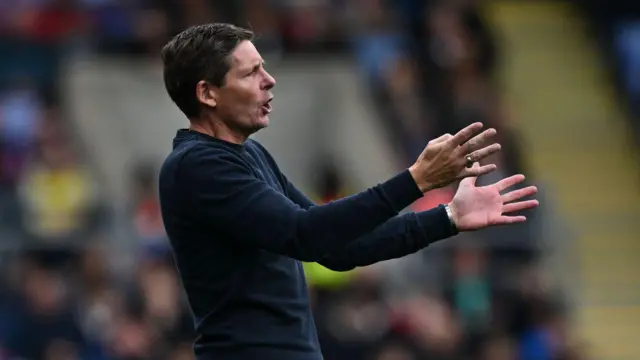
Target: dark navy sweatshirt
[{"x": 240, "y": 230}]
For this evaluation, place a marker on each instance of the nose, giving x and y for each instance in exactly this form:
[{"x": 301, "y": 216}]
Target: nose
[{"x": 269, "y": 82}]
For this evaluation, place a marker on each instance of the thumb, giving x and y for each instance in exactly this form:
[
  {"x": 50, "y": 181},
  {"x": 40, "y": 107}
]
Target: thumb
[{"x": 470, "y": 181}]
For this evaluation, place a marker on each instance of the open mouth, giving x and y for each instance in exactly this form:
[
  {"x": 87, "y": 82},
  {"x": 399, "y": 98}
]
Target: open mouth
[{"x": 266, "y": 107}]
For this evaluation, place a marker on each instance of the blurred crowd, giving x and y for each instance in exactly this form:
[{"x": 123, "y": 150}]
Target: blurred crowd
[
  {"x": 430, "y": 67},
  {"x": 616, "y": 24}
]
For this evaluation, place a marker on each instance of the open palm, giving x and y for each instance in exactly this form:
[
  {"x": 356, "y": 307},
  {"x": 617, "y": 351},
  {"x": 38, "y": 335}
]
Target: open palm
[{"x": 476, "y": 208}]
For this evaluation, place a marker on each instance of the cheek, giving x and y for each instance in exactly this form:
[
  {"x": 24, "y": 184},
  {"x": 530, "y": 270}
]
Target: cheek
[
  {"x": 251, "y": 105},
  {"x": 247, "y": 109},
  {"x": 245, "y": 99},
  {"x": 239, "y": 105}
]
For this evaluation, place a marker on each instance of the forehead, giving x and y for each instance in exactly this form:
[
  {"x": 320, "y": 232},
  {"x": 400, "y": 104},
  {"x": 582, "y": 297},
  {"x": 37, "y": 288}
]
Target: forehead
[{"x": 245, "y": 54}]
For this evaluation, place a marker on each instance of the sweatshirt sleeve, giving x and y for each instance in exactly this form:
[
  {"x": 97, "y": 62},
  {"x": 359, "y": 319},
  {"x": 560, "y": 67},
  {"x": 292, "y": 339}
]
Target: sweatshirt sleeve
[
  {"x": 222, "y": 190},
  {"x": 400, "y": 236}
]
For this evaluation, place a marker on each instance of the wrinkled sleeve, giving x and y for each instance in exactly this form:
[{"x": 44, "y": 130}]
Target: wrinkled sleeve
[
  {"x": 399, "y": 236},
  {"x": 224, "y": 191}
]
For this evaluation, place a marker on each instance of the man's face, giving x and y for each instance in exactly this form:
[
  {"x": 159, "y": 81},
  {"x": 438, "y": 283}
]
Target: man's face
[{"x": 243, "y": 102}]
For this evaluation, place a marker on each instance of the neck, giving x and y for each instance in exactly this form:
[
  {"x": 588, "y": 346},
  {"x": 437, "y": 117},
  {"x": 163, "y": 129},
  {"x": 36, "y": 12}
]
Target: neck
[{"x": 218, "y": 129}]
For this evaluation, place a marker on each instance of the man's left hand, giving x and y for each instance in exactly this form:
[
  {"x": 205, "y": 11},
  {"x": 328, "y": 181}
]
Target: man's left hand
[{"x": 475, "y": 208}]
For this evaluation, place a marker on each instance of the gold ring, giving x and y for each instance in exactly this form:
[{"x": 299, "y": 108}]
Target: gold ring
[{"x": 469, "y": 161}]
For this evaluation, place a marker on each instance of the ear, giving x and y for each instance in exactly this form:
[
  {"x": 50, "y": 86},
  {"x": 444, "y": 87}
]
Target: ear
[{"x": 206, "y": 93}]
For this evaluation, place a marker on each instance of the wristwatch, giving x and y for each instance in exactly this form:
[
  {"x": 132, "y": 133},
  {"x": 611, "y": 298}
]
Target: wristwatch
[{"x": 450, "y": 215}]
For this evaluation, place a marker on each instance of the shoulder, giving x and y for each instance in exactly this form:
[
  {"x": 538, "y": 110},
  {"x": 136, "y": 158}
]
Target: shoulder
[
  {"x": 259, "y": 150},
  {"x": 199, "y": 152},
  {"x": 201, "y": 160},
  {"x": 256, "y": 146}
]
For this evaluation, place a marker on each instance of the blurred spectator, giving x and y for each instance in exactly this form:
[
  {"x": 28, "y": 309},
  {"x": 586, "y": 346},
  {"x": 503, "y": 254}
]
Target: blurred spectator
[
  {"x": 499, "y": 348},
  {"x": 183, "y": 351},
  {"x": 59, "y": 201},
  {"x": 396, "y": 351},
  {"x": 472, "y": 293},
  {"x": 408, "y": 107},
  {"x": 628, "y": 49},
  {"x": 148, "y": 226},
  {"x": 21, "y": 115},
  {"x": 264, "y": 21},
  {"x": 545, "y": 338},
  {"x": 53, "y": 21},
  {"x": 313, "y": 25},
  {"x": 324, "y": 282},
  {"x": 100, "y": 302},
  {"x": 617, "y": 26},
  {"x": 163, "y": 302},
  {"x": 377, "y": 41},
  {"x": 126, "y": 26},
  {"x": 38, "y": 317}
]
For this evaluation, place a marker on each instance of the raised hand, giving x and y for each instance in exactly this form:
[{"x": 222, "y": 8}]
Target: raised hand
[
  {"x": 475, "y": 208},
  {"x": 446, "y": 159}
]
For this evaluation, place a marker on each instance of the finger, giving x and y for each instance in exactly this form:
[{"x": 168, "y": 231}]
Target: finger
[
  {"x": 519, "y": 194},
  {"x": 465, "y": 134},
  {"x": 483, "y": 153},
  {"x": 519, "y": 206},
  {"x": 442, "y": 138},
  {"x": 478, "y": 171},
  {"x": 477, "y": 141},
  {"x": 506, "y": 220},
  {"x": 509, "y": 182},
  {"x": 471, "y": 179}
]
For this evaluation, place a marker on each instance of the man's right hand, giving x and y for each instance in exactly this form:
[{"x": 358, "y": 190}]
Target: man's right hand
[{"x": 444, "y": 160}]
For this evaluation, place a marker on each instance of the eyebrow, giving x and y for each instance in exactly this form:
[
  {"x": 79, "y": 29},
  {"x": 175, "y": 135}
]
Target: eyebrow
[{"x": 257, "y": 66}]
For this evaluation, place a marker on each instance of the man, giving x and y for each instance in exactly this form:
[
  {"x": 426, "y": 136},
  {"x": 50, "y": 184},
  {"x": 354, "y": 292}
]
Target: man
[{"x": 239, "y": 229}]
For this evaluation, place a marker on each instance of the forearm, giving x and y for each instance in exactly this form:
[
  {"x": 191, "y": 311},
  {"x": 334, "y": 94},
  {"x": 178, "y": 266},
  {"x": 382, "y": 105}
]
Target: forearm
[
  {"x": 323, "y": 229},
  {"x": 395, "y": 238}
]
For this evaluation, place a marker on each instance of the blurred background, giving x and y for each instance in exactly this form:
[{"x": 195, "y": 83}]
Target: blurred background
[{"x": 363, "y": 85}]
